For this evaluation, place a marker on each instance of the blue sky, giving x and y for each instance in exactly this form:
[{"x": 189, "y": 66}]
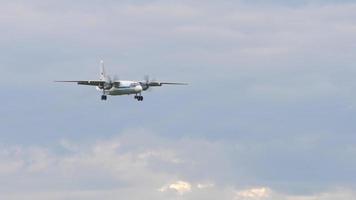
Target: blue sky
[{"x": 268, "y": 113}]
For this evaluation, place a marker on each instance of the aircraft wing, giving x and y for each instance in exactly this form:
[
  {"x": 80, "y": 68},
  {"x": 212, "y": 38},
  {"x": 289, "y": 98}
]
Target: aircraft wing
[
  {"x": 156, "y": 83},
  {"x": 88, "y": 82},
  {"x": 172, "y": 83}
]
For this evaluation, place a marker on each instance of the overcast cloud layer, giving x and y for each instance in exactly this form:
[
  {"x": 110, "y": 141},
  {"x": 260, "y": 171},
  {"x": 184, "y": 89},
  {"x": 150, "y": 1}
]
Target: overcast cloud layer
[{"x": 269, "y": 112}]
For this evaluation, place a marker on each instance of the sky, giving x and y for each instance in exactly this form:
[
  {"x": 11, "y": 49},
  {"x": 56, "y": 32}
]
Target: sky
[{"x": 268, "y": 114}]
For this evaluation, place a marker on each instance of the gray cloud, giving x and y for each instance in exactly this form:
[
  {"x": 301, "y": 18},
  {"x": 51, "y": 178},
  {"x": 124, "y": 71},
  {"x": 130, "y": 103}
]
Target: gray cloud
[{"x": 158, "y": 168}]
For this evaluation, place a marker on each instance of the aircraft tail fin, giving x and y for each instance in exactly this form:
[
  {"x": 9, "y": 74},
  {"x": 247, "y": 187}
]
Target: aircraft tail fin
[{"x": 102, "y": 70}]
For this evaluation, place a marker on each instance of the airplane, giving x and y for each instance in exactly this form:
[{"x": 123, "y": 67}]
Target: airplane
[{"x": 113, "y": 87}]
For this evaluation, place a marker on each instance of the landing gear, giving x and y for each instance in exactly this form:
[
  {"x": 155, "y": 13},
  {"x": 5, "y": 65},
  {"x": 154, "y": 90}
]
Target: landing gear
[
  {"x": 139, "y": 98},
  {"x": 103, "y": 97}
]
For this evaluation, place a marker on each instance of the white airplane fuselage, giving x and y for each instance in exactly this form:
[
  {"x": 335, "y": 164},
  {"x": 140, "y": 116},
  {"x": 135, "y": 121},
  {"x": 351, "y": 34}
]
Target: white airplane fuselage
[{"x": 125, "y": 88}]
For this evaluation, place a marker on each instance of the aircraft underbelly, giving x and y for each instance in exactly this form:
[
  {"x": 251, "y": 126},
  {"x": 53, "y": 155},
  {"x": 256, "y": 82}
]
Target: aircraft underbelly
[{"x": 122, "y": 91}]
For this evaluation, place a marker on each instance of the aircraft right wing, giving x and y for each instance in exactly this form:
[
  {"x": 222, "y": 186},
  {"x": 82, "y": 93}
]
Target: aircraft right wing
[{"x": 89, "y": 82}]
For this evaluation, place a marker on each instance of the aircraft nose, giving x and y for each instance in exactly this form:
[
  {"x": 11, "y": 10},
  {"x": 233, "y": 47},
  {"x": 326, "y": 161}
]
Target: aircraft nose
[{"x": 138, "y": 88}]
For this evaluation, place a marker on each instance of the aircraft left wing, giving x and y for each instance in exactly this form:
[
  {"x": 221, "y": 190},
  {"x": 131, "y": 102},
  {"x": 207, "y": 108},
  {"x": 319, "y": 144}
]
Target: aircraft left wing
[
  {"x": 156, "y": 83},
  {"x": 89, "y": 82},
  {"x": 172, "y": 83}
]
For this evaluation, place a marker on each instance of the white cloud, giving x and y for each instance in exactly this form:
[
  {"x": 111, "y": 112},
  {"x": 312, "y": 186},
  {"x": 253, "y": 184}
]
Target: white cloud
[
  {"x": 180, "y": 187},
  {"x": 205, "y": 185},
  {"x": 253, "y": 194}
]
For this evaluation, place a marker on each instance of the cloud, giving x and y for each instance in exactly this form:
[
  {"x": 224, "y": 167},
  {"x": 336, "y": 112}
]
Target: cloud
[
  {"x": 9, "y": 166},
  {"x": 253, "y": 194},
  {"x": 132, "y": 162},
  {"x": 265, "y": 193},
  {"x": 205, "y": 185},
  {"x": 39, "y": 160},
  {"x": 162, "y": 155},
  {"x": 181, "y": 187}
]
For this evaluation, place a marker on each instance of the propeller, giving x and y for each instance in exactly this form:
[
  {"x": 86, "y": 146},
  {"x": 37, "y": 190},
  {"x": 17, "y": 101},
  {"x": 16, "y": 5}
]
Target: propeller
[
  {"x": 111, "y": 82},
  {"x": 115, "y": 81},
  {"x": 146, "y": 83},
  {"x": 146, "y": 78}
]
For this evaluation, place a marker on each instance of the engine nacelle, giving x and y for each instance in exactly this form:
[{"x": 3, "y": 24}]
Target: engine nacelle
[
  {"x": 116, "y": 84},
  {"x": 154, "y": 84},
  {"x": 144, "y": 86},
  {"x": 106, "y": 86}
]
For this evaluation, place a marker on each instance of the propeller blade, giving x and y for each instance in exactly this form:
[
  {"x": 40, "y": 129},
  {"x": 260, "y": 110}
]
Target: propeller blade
[
  {"x": 115, "y": 78},
  {"x": 116, "y": 81},
  {"x": 146, "y": 78},
  {"x": 108, "y": 79}
]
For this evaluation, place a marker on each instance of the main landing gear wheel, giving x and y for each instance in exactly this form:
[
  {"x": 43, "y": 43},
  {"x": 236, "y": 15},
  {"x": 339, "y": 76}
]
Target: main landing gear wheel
[
  {"x": 139, "y": 98},
  {"x": 103, "y": 97}
]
